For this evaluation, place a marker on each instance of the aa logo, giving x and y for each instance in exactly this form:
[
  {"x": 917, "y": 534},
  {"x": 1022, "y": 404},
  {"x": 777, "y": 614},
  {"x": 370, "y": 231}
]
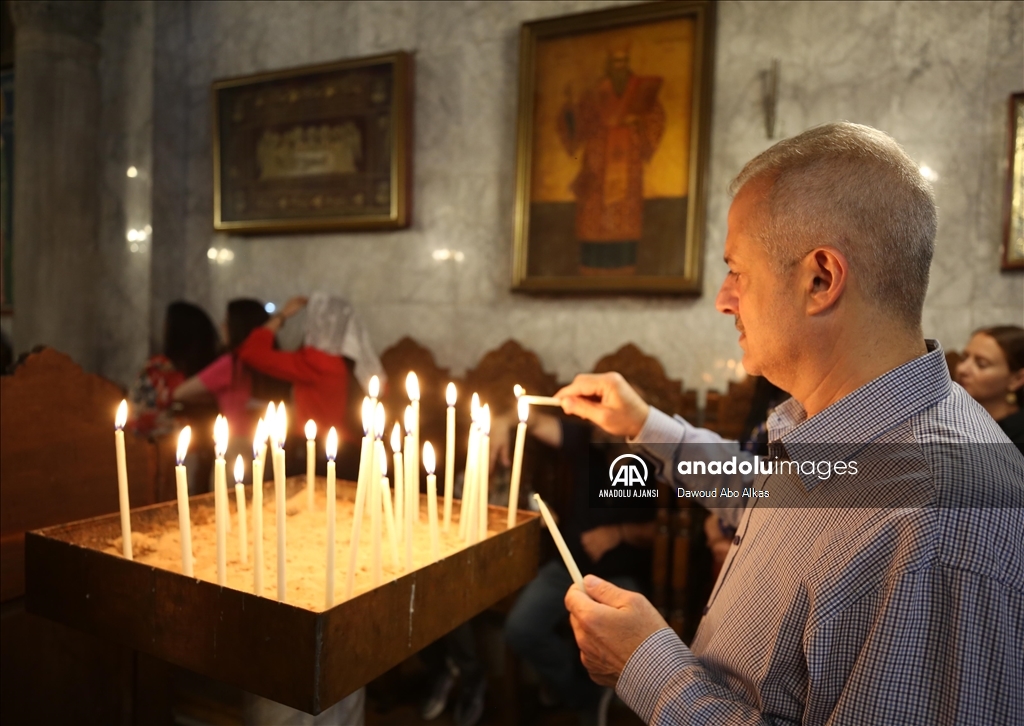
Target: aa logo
[{"x": 627, "y": 473}]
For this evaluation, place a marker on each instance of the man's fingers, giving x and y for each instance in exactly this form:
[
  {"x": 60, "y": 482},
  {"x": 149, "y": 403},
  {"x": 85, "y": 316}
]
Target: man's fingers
[
  {"x": 586, "y": 384},
  {"x": 606, "y": 593},
  {"x": 585, "y": 409}
]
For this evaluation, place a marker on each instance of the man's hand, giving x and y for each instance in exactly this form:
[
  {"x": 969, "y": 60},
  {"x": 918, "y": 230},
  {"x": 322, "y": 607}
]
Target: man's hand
[
  {"x": 607, "y": 400},
  {"x": 600, "y": 540},
  {"x": 610, "y": 624}
]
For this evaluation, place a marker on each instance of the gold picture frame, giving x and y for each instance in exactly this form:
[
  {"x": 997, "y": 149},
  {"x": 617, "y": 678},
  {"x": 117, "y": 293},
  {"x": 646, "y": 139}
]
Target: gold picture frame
[
  {"x": 612, "y": 150},
  {"x": 325, "y": 147},
  {"x": 1013, "y": 225}
]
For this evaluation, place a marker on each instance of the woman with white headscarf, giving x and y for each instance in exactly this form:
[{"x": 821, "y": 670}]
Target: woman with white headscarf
[{"x": 335, "y": 344}]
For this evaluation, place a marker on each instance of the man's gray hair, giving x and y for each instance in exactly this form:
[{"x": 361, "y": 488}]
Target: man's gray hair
[{"x": 854, "y": 188}]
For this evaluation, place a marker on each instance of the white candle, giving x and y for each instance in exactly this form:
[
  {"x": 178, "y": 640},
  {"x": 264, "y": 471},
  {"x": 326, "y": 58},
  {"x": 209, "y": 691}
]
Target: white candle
[
  {"x": 310, "y": 463},
  {"x": 220, "y": 496},
  {"x": 517, "y": 462},
  {"x": 122, "y": 480},
  {"x": 396, "y": 448},
  {"x": 389, "y": 514},
  {"x": 469, "y": 476},
  {"x": 332, "y": 452},
  {"x": 449, "y": 455},
  {"x": 259, "y": 452},
  {"x": 375, "y": 502},
  {"x": 280, "y": 496},
  {"x": 412, "y": 387},
  {"x": 411, "y": 485},
  {"x": 542, "y": 400},
  {"x": 428, "y": 464},
  {"x": 570, "y": 563},
  {"x": 484, "y": 474},
  {"x": 365, "y": 457},
  {"x": 268, "y": 431},
  {"x": 184, "y": 520},
  {"x": 243, "y": 545}
]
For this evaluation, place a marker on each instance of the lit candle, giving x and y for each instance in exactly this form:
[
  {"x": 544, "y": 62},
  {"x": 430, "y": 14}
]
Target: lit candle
[
  {"x": 389, "y": 514},
  {"x": 428, "y": 464},
  {"x": 396, "y": 448},
  {"x": 184, "y": 520},
  {"x": 365, "y": 457},
  {"x": 122, "y": 480},
  {"x": 243, "y": 545},
  {"x": 449, "y": 455},
  {"x": 411, "y": 486},
  {"x": 374, "y": 391},
  {"x": 280, "y": 498},
  {"x": 332, "y": 452},
  {"x": 412, "y": 387},
  {"x": 469, "y": 477},
  {"x": 517, "y": 462},
  {"x": 570, "y": 563},
  {"x": 310, "y": 462},
  {"x": 220, "y": 495},
  {"x": 518, "y": 391},
  {"x": 375, "y": 503},
  {"x": 484, "y": 473},
  {"x": 268, "y": 431},
  {"x": 259, "y": 453}
]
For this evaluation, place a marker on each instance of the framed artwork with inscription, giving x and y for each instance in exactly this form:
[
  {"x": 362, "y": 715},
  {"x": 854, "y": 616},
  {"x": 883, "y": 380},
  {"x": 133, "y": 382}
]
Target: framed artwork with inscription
[
  {"x": 318, "y": 148},
  {"x": 611, "y": 157},
  {"x": 1013, "y": 233}
]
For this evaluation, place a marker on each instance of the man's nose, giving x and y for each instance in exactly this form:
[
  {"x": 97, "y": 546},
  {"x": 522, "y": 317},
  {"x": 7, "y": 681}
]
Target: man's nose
[{"x": 726, "y": 300}]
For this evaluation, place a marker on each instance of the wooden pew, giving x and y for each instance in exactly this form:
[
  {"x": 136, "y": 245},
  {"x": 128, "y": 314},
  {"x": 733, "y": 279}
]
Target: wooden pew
[{"x": 58, "y": 465}]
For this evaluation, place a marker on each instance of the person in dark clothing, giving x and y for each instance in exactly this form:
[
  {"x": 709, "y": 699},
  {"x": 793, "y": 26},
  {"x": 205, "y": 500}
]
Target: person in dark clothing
[
  {"x": 992, "y": 371},
  {"x": 611, "y": 543}
]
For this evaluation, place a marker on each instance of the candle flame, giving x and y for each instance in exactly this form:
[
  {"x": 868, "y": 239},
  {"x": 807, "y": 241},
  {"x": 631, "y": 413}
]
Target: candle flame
[
  {"x": 374, "y": 387},
  {"x": 239, "y": 469},
  {"x": 122, "y": 415},
  {"x": 474, "y": 406},
  {"x": 450, "y": 394},
  {"x": 367, "y": 415},
  {"x": 310, "y": 430},
  {"x": 396, "y": 438},
  {"x": 412, "y": 386},
  {"x": 408, "y": 419},
  {"x": 524, "y": 410},
  {"x": 383, "y": 466},
  {"x": 281, "y": 424},
  {"x": 268, "y": 420},
  {"x": 220, "y": 436},
  {"x": 428, "y": 457},
  {"x": 259, "y": 438},
  {"x": 332, "y": 444},
  {"x": 485, "y": 419},
  {"x": 379, "y": 421},
  {"x": 183, "y": 438},
  {"x": 518, "y": 390}
]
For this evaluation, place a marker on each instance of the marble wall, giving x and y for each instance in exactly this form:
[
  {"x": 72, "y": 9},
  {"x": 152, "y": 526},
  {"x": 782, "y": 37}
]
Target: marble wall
[{"x": 936, "y": 75}]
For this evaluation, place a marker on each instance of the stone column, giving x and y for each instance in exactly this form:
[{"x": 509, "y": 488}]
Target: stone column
[{"x": 56, "y": 174}]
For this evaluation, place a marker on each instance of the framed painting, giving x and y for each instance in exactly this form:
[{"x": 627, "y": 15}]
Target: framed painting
[
  {"x": 317, "y": 148},
  {"x": 1013, "y": 233},
  {"x": 614, "y": 110}
]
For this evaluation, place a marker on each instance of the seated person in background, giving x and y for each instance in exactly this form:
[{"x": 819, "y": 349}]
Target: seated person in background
[
  {"x": 993, "y": 373},
  {"x": 611, "y": 543},
  {"x": 190, "y": 344},
  {"x": 228, "y": 379},
  {"x": 334, "y": 345}
]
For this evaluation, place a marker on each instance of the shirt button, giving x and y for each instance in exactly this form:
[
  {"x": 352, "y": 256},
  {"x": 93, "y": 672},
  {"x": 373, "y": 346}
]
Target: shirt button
[{"x": 736, "y": 540}]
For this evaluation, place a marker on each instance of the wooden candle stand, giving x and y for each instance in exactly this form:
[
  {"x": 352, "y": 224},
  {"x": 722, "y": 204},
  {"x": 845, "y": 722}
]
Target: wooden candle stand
[{"x": 298, "y": 656}]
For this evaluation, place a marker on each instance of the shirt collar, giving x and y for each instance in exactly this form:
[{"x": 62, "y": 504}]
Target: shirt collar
[{"x": 840, "y": 431}]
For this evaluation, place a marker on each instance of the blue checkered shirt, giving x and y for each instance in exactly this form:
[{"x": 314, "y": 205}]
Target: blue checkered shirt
[{"x": 866, "y": 615}]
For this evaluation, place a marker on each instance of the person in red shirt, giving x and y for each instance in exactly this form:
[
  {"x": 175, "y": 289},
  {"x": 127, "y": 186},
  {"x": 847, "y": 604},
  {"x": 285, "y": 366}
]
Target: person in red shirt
[{"x": 320, "y": 369}]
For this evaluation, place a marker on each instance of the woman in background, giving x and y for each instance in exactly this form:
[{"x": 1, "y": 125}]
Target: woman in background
[
  {"x": 228, "y": 379},
  {"x": 190, "y": 344},
  {"x": 992, "y": 371}
]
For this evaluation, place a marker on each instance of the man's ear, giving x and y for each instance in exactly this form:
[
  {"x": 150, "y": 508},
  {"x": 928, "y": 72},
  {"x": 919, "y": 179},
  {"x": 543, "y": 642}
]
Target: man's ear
[{"x": 824, "y": 272}]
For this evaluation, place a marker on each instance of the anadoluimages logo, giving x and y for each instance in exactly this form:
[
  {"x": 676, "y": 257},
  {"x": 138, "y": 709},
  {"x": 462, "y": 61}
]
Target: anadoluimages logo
[{"x": 628, "y": 474}]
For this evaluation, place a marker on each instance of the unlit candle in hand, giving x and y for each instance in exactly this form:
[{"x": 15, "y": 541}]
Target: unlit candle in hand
[{"x": 563, "y": 549}]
